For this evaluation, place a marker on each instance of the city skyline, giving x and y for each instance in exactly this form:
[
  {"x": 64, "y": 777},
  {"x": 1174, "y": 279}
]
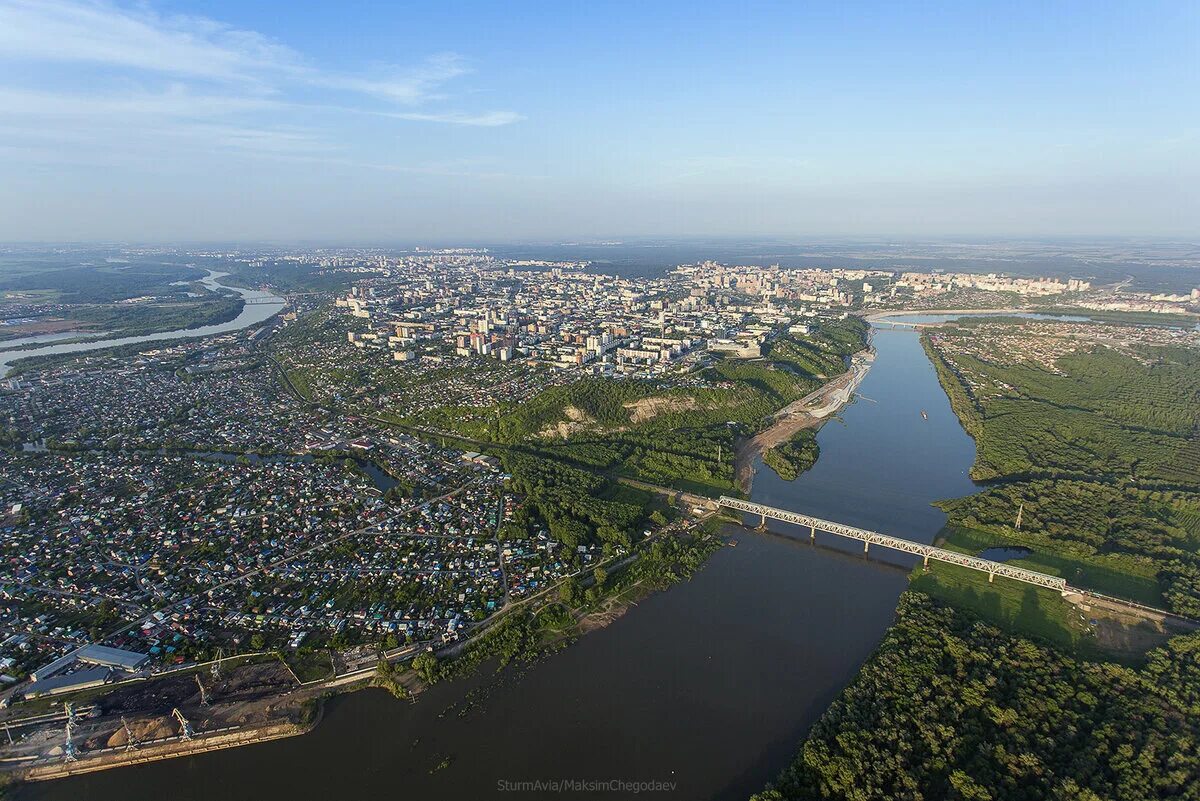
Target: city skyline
[{"x": 177, "y": 120}]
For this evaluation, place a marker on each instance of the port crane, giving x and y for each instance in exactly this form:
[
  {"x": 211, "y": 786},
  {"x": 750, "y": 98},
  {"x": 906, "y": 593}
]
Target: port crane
[
  {"x": 131, "y": 742},
  {"x": 185, "y": 727},
  {"x": 70, "y": 754}
]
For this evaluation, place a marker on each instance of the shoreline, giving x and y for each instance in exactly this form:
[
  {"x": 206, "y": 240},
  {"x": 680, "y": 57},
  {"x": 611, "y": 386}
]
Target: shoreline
[
  {"x": 881, "y": 315},
  {"x": 831, "y": 396},
  {"x": 811, "y": 411},
  {"x": 117, "y": 757},
  {"x": 9, "y": 358},
  {"x": 283, "y": 722}
]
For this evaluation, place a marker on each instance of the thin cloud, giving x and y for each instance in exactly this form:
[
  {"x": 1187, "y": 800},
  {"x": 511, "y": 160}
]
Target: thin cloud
[
  {"x": 487, "y": 119},
  {"x": 166, "y": 64},
  {"x": 408, "y": 86},
  {"x": 101, "y": 33},
  {"x": 176, "y": 100}
]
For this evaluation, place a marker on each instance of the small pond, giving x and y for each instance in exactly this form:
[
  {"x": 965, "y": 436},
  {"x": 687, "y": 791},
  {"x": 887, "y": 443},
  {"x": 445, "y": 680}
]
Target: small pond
[{"x": 1005, "y": 553}]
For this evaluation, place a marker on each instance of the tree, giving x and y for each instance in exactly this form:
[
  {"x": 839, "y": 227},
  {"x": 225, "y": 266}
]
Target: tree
[
  {"x": 386, "y": 677},
  {"x": 600, "y": 575},
  {"x": 568, "y": 531},
  {"x": 568, "y": 591},
  {"x": 426, "y": 666}
]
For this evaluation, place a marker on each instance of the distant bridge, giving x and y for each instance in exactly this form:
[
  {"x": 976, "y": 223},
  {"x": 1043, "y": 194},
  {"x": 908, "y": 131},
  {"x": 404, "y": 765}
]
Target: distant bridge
[
  {"x": 869, "y": 538},
  {"x": 265, "y": 302}
]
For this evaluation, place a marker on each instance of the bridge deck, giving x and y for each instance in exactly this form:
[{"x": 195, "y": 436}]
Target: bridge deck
[{"x": 907, "y": 546}]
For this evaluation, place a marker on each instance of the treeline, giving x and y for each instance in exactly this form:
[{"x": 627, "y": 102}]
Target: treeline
[
  {"x": 1086, "y": 518},
  {"x": 1120, "y": 540},
  {"x": 293, "y": 277},
  {"x": 694, "y": 457},
  {"x": 949, "y": 707},
  {"x": 962, "y": 399},
  {"x": 822, "y": 352}
]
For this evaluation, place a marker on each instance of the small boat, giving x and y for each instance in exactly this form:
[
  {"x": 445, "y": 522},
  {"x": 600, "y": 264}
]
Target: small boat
[
  {"x": 733, "y": 543},
  {"x": 924, "y": 415}
]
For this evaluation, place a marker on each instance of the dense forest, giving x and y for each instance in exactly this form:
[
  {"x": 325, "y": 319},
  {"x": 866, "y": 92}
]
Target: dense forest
[
  {"x": 1091, "y": 463},
  {"x": 291, "y": 277},
  {"x": 950, "y": 707},
  {"x": 1100, "y": 414},
  {"x": 575, "y": 505},
  {"x": 100, "y": 284},
  {"x": 790, "y": 459},
  {"x": 1099, "y": 456},
  {"x": 1109, "y": 535},
  {"x": 150, "y": 318}
]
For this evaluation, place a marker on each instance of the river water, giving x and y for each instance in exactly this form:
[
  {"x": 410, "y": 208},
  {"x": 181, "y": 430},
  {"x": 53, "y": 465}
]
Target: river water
[
  {"x": 709, "y": 686},
  {"x": 264, "y": 306}
]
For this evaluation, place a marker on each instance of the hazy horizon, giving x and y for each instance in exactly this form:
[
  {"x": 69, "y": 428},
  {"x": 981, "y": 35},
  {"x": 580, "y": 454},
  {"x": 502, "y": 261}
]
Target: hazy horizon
[{"x": 173, "y": 120}]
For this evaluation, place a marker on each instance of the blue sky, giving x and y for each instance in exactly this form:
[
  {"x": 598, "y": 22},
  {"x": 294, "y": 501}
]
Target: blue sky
[{"x": 424, "y": 122}]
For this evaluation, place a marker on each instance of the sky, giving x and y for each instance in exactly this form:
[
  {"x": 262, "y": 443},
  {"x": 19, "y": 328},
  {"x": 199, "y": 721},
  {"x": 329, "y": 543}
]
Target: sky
[{"x": 400, "y": 122}]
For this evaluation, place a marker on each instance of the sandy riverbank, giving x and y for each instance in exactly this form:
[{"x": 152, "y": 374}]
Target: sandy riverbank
[
  {"x": 809, "y": 412},
  {"x": 815, "y": 408}
]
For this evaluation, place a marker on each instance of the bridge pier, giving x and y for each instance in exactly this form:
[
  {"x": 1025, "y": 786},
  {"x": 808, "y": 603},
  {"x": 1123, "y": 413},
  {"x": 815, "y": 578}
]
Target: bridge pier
[{"x": 925, "y": 551}]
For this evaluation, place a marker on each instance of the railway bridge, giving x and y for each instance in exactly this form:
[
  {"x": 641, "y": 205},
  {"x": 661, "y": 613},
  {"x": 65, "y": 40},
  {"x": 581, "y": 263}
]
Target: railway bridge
[{"x": 869, "y": 538}]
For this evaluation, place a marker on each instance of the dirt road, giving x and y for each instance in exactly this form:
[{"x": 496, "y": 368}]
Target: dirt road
[{"x": 809, "y": 412}]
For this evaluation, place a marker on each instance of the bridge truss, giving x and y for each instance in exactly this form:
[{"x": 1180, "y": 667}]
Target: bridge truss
[{"x": 926, "y": 552}]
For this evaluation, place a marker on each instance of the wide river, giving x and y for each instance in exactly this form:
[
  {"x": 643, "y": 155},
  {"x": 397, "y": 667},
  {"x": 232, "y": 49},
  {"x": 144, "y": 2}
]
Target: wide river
[
  {"x": 709, "y": 686},
  {"x": 260, "y": 305}
]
